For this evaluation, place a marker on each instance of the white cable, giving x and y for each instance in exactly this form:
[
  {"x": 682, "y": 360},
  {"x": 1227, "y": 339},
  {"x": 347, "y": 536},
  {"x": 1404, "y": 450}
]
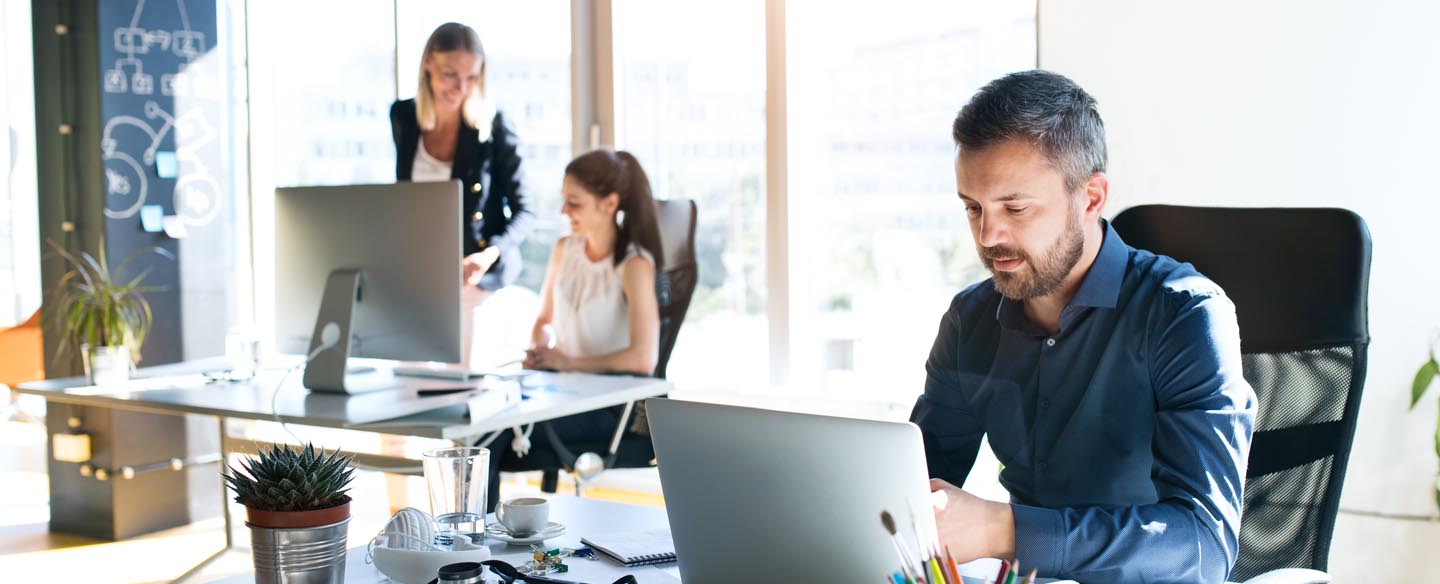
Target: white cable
[
  {"x": 485, "y": 443},
  {"x": 521, "y": 443},
  {"x": 329, "y": 337}
]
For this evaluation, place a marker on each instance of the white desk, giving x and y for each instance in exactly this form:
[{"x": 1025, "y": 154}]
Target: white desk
[
  {"x": 581, "y": 517},
  {"x": 181, "y": 389},
  {"x": 585, "y": 517}
]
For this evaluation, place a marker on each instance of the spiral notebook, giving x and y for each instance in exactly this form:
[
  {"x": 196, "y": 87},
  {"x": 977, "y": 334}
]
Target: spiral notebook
[{"x": 635, "y": 548}]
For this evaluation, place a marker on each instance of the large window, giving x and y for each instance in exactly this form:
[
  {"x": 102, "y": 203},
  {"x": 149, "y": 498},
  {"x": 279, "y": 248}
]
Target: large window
[
  {"x": 690, "y": 104},
  {"x": 324, "y": 78},
  {"x": 878, "y": 240},
  {"x": 19, "y": 238}
]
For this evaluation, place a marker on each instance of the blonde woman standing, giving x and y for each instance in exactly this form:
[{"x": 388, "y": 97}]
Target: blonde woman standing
[{"x": 451, "y": 130}]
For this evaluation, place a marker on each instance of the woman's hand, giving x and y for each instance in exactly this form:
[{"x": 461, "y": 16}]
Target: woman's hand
[
  {"x": 541, "y": 357},
  {"x": 474, "y": 266}
]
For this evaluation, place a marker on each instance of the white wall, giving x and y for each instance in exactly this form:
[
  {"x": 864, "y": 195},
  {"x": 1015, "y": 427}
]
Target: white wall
[
  {"x": 1292, "y": 103},
  {"x": 19, "y": 237}
]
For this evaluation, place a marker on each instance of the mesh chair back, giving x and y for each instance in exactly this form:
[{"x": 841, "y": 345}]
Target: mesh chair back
[
  {"x": 1299, "y": 279},
  {"x": 675, "y": 285}
]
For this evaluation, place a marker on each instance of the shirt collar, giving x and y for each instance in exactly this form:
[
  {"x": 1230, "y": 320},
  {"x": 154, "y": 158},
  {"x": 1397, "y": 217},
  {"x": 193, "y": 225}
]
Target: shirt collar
[
  {"x": 1099, "y": 289},
  {"x": 1101, "y": 286}
]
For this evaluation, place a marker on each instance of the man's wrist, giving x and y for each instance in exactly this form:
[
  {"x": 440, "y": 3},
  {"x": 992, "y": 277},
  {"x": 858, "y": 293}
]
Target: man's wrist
[{"x": 1000, "y": 524}]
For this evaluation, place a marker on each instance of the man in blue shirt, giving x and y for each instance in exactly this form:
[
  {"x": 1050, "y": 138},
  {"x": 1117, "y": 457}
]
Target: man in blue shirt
[{"x": 1107, "y": 378}]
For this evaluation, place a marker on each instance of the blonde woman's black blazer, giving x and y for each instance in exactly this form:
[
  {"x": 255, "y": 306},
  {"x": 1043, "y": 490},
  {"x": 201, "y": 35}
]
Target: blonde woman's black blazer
[{"x": 492, "y": 190}]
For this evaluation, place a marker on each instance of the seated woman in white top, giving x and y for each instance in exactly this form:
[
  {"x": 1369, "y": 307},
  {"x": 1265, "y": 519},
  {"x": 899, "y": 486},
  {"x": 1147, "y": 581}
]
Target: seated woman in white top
[{"x": 598, "y": 311}]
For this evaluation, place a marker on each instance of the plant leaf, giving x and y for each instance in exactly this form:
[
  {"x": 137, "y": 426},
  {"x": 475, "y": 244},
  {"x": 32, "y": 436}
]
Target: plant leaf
[{"x": 1423, "y": 377}]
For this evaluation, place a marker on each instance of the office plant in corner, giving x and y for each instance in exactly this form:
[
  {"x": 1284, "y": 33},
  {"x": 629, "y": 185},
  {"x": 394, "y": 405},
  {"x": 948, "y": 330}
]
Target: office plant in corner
[
  {"x": 1423, "y": 378},
  {"x": 101, "y": 316},
  {"x": 297, "y": 509}
]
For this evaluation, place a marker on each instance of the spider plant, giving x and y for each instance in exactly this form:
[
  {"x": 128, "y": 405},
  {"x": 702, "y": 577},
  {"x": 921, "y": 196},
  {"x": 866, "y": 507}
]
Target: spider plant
[{"x": 93, "y": 307}]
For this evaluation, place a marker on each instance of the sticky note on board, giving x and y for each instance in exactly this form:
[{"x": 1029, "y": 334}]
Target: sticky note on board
[
  {"x": 165, "y": 164},
  {"x": 152, "y": 218}
]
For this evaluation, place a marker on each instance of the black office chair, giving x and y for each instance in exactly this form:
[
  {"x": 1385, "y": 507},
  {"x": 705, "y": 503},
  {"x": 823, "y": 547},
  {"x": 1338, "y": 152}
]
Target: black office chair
[
  {"x": 630, "y": 446},
  {"x": 1299, "y": 279}
]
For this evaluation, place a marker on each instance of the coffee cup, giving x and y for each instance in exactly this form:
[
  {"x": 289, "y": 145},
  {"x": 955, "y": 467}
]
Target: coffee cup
[{"x": 523, "y": 516}]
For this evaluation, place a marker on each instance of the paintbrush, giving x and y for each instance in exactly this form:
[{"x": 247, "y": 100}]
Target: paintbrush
[{"x": 906, "y": 563}]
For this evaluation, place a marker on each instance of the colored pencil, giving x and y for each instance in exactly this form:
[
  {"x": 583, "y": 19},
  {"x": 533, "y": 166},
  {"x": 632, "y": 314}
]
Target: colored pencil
[
  {"x": 952, "y": 568},
  {"x": 935, "y": 576}
]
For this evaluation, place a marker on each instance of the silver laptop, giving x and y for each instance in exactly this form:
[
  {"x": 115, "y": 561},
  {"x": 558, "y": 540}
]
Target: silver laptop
[{"x": 765, "y": 496}]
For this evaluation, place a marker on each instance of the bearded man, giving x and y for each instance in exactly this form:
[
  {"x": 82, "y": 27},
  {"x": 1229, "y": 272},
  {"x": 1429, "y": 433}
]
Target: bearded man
[{"x": 1107, "y": 378}]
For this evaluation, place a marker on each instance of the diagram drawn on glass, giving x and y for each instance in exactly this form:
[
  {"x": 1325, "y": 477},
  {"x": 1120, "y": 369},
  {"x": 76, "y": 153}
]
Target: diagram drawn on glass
[
  {"x": 129, "y": 76},
  {"x": 127, "y": 184},
  {"x": 197, "y": 193}
]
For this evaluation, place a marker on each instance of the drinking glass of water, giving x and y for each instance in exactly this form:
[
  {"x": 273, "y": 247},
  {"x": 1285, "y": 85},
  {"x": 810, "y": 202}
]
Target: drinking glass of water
[{"x": 457, "y": 479}]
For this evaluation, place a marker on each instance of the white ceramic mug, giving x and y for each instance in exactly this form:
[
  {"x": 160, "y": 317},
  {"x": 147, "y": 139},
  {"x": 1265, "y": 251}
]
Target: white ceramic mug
[{"x": 524, "y": 516}]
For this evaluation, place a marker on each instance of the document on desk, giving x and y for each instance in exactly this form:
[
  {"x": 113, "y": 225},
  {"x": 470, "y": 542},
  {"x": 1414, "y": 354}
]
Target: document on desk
[{"x": 485, "y": 400}]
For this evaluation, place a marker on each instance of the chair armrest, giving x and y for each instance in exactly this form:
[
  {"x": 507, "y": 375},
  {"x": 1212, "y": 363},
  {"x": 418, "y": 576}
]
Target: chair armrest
[{"x": 1291, "y": 576}]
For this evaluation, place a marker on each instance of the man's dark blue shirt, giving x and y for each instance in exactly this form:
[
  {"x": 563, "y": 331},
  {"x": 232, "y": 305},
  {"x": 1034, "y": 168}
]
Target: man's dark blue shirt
[{"x": 1123, "y": 436}]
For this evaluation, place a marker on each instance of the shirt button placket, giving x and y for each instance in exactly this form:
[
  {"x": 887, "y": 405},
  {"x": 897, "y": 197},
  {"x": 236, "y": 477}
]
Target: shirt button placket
[{"x": 1041, "y": 466}]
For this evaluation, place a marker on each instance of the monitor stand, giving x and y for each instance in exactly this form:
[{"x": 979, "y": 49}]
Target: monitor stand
[{"x": 328, "y": 354}]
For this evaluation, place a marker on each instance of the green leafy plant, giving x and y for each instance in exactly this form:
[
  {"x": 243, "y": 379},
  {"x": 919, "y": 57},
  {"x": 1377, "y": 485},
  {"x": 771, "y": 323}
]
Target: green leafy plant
[
  {"x": 93, "y": 308},
  {"x": 285, "y": 479},
  {"x": 1423, "y": 379}
]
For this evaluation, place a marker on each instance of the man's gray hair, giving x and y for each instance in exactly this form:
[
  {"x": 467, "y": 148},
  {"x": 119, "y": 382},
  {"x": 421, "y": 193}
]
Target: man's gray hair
[{"x": 1046, "y": 110}]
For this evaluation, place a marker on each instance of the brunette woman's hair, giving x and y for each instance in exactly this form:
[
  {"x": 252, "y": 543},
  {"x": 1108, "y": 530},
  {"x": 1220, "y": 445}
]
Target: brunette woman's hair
[{"x": 602, "y": 172}]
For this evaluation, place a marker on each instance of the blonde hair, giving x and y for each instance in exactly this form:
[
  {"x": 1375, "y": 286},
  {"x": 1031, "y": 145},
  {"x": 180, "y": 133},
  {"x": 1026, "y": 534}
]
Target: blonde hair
[{"x": 477, "y": 110}]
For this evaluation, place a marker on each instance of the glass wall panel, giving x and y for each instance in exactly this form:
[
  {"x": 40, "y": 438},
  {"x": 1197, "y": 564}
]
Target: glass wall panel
[
  {"x": 879, "y": 242},
  {"x": 690, "y": 104}
]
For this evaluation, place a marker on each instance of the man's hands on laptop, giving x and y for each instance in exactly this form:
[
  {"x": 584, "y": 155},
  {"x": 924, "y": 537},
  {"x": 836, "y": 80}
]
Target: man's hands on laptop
[{"x": 970, "y": 526}]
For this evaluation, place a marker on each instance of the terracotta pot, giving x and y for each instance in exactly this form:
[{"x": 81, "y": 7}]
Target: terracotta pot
[{"x": 297, "y": 519}]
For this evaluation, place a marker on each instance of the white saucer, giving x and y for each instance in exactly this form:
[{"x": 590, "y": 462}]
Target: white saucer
[{"x": 498, "y": 531}]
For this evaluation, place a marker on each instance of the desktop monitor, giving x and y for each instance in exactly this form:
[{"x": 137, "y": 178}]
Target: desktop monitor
[{"x": 367, "y": 271}]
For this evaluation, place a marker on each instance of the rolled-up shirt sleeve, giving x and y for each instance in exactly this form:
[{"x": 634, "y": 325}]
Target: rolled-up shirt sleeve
[
  {"x": 951, "y": 432},
  {"x": 1205, "y": 417}
]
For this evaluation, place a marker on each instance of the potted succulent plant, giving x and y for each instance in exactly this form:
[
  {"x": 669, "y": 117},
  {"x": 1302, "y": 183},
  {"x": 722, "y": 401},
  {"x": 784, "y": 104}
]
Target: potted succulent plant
[
  {"x": 297, "y": 509},
  {"x": 102, "y": 317},
  {"x": 1423, "y": 378}
]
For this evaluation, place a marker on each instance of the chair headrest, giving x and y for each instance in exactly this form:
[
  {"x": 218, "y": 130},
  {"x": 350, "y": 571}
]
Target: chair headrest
[{"x": 1299, "y": 277}]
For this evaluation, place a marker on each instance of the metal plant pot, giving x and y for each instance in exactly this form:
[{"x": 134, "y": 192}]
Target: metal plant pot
[
  {"x": 107, "y": 365},
  {"x": 301, "y": 555}
]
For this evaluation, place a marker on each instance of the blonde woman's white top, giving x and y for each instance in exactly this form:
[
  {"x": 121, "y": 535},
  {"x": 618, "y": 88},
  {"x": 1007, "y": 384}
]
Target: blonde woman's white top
[
  {"x": 427, "y": 168},
  {"x": 590, "y": 315}
]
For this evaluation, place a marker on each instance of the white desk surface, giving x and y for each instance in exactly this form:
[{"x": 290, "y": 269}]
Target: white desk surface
[
  {"x": 584, "y": 517},
  {"x": 581, "y": 517},
  {"x": 181, "y": 389}
]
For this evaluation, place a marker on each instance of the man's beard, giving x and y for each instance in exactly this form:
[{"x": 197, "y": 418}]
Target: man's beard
[{"x": 1037, "y": 277}]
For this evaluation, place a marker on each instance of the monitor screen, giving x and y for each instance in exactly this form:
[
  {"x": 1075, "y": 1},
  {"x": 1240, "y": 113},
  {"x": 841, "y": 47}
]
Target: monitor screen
[{"x": 404, "y": 239}]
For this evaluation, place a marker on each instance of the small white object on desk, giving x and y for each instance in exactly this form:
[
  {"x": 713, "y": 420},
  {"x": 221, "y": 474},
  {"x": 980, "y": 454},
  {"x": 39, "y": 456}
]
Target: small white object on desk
[
  {"x": 405, "y": 550},
  {"x": 498, "y": 531},
  {"x": 494, "y": 397}
]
